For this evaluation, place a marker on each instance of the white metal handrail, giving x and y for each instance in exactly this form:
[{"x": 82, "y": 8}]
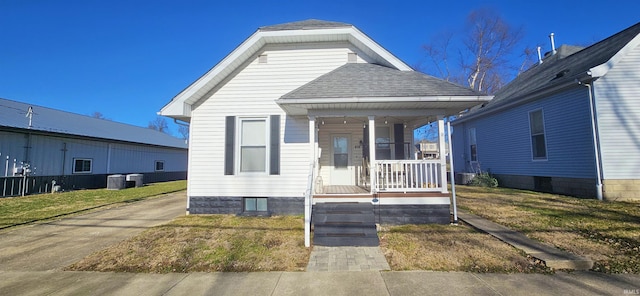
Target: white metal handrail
[
  {"x": 308, "y": 202},
  {"x": 409, "y": 175}
]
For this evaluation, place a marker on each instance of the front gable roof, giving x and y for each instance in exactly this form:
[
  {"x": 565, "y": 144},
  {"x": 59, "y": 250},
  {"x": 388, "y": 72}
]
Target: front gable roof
[
  {"x": 304, "y": 31},
  {"x": 569, "y": 65}
]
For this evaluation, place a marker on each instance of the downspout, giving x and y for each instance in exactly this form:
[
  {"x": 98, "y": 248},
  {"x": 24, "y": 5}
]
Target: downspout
[
  {"x": 596, "y": 143},
  {"x": 452, "y": 176}
]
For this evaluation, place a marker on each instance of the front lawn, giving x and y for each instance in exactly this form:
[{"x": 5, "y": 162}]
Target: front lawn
[
  {"x": 451, "y": 248},
  {"x": 606, "y": 232},
  {"x": 208, "y": 243},
  {"x": 21, "y": 210}
]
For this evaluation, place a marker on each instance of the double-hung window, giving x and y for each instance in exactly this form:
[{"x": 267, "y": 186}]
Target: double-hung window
[
  {"x": 473, "y": 145},
  {"x": 253, "y": 145},
  {"x": 538, "y": 141}
]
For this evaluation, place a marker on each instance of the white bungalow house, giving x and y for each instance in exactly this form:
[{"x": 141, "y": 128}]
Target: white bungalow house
[
  {"x": 568, "y": 125},
  {"x": 315, "y": 112}
]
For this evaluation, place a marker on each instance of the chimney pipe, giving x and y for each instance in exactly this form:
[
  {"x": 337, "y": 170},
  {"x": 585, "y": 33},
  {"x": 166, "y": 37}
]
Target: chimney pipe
[
  {"x": 539, "y": 56},
  {"x": 553, "y": 44}
]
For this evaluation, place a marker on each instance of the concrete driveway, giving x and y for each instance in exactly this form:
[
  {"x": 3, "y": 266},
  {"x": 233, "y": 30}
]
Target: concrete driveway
[{"x": 54, "y": 245}]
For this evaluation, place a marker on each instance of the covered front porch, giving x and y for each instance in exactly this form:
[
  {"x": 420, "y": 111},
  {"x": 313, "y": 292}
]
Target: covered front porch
[{"x": 352, "y": 158}]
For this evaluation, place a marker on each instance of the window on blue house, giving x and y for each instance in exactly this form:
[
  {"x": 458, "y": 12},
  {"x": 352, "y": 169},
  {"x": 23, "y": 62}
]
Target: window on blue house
[
  {"x": 538, "y": 140},
  {"x": 473, "y": 146}
]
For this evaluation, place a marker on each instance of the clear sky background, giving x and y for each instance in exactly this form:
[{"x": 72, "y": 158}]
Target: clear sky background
[{"x": 128, "y": 58}]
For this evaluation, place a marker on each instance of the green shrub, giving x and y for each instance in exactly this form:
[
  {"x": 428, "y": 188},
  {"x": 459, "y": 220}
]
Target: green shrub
[{"x": 484, "y": 179}]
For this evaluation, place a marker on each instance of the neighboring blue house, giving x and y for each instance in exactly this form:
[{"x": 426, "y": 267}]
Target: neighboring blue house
[{"x": 570, "y": 125}]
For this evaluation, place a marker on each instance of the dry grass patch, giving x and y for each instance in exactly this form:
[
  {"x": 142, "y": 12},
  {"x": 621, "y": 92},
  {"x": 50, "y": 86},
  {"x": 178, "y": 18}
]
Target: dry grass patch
[
  {"x": 450, "y": 248},
  {"x": 208, "y": 243},
  {"x": 606, "y": 232}
]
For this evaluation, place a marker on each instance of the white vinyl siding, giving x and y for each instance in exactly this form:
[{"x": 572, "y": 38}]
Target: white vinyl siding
[
  {"x": 617, "y": 97},
  {"x": 251, "y": 91}
]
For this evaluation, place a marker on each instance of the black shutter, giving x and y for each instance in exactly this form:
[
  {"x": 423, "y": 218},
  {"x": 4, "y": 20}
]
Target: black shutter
[
  {"x": 274, "y": 149},
  {"x": 229, "y": 144},
  {"x": 398, "y": 135}
]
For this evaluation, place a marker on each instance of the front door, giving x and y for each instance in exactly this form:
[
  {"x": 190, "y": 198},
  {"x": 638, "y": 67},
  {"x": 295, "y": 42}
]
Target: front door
[{"x": 341, "y": 168}]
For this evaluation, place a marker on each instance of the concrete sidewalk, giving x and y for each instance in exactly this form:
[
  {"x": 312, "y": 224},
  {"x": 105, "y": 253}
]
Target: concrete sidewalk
[
  {"x": 551, "y": 256},
  {"x": 314, "y": 283}
]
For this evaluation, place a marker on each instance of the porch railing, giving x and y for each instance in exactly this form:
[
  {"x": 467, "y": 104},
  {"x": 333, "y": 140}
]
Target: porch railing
[{"x": 409, "y": 176}]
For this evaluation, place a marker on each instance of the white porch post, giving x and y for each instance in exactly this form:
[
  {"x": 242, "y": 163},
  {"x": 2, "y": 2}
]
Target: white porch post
[
  {"x": 442, "y": 154},
  {"x": 307, "y": 200},
  {"x": 372, "y": 153}
]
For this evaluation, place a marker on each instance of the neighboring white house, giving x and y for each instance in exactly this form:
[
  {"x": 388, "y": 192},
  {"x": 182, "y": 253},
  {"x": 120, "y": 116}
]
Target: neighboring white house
[
  {"x": 570, "y": 125},
  {"x": 78, "y": 151},
  {"x": 315, "y": 111}
]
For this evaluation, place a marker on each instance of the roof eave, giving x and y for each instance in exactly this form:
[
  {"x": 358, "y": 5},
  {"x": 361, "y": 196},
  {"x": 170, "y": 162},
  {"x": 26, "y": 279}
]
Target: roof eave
[
  {"x": 479, "y": 99},
  {"x": 602, "y": 69},
  {"x": 584, "y": 77}
]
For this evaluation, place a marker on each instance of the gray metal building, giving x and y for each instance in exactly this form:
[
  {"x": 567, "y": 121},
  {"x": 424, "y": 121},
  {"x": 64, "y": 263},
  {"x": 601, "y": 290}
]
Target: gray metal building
[{"x": 78, "y": 151}]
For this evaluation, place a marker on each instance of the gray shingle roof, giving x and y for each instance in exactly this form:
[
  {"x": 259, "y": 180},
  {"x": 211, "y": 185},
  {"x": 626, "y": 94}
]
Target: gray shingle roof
[
  {"x": 370, "y": 80},
  {"x": 310, "y": 24},
  {"x": 567, "y": 65},
  {"x": 13, "y": 115}
]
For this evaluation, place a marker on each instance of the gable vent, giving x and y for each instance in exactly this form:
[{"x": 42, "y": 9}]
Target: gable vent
[
  {"x": 352, "y": 57},
  {"x": 262, "y": 59}
]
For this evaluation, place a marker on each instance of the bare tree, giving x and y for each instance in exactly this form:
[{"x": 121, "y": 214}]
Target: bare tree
[
  {"x": 160, "y": 124},
  {"x": 184, "y": 131},
  {"x": 98, "y": 115},
  {"x": 482, "y": 55}
]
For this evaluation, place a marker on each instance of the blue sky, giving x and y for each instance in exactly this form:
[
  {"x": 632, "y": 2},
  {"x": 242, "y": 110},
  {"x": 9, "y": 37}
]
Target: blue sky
[{"x": 126, "y": 59}]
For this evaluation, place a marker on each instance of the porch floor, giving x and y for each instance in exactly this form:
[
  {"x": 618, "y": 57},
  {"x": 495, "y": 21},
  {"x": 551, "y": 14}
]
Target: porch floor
[{"x": 344, "y": 189}]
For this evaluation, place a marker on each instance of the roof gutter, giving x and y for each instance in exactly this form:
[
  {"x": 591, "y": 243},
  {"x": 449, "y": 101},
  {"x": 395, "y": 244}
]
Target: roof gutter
[{"x": 385, "y": 100}]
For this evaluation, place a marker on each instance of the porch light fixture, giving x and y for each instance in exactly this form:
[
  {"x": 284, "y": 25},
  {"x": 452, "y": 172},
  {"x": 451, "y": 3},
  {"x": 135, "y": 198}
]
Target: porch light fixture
[
  {"x": 323, "y": 122},
  {"x": 405, "y": 125},
  {"x": 385, "y": 120},
  {"x": 345, "y": 120}
]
